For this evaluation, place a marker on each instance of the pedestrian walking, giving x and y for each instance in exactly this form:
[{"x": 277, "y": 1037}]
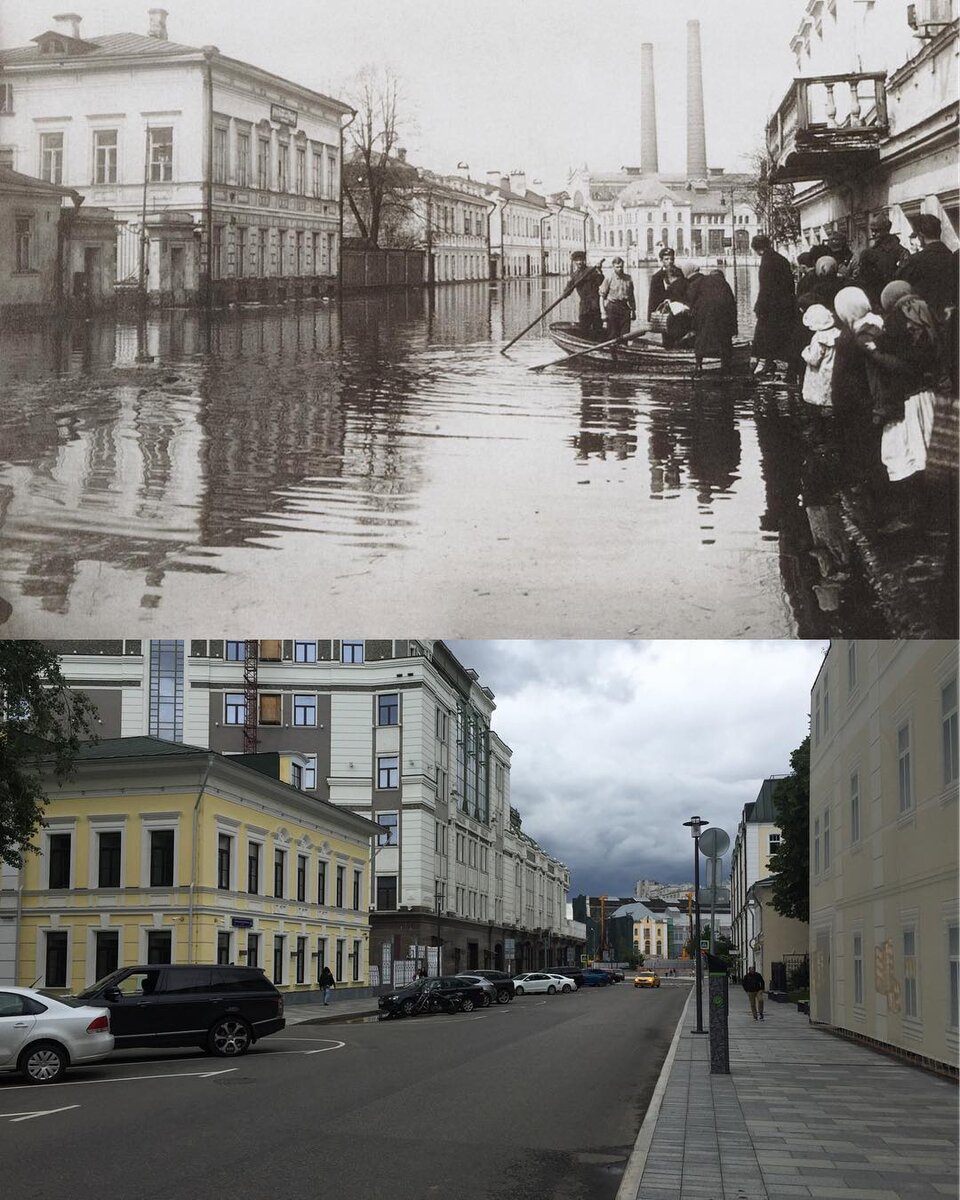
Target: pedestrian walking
[
  {"x": 754, "y": 986},
  {"x": 776, "y": 335},
  {"x": 819, "y": 355},
  {"x": 586, "y": 281},
  {"x": 618, "y": 300},
  {"x": 327, "y": 984}
]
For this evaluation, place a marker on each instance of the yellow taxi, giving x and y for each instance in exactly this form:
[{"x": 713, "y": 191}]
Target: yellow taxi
[{"x": 645, "y": 978}]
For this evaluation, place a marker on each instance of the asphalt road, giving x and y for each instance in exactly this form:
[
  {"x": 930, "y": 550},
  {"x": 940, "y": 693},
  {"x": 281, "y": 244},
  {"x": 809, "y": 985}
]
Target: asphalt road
[{"x": 540, "y": 1098}]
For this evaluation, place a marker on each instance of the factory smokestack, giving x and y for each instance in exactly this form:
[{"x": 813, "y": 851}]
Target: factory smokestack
[
  {"x": 696, "y": 130},
  {"x": 649, "y": 162}
]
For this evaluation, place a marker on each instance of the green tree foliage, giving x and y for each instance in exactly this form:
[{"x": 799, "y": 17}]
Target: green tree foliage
[
  {"x": 42, "y": 724},
  {"x": 723, "y": 947},
  {"x": 790, "y": 862}
]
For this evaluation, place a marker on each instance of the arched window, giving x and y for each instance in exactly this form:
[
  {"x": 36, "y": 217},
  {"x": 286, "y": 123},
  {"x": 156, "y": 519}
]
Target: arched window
[
  {"x": 619, "y": 237},
  {"x": 665, "y": 236},
  {"x": 649, "y": 240},
  {"x": 680, "y": 241}
]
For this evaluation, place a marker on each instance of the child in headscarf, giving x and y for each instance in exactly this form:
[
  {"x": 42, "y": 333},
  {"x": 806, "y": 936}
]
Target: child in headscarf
[
  {"x": 821, "y": 286},
  {"x": 853, "y": 390},
  {"x": 819, "y": 355}
]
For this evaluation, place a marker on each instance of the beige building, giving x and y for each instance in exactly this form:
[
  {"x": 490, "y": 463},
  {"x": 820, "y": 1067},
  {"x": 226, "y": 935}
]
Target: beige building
[
  {"x": 775, "y": 939},
  {"x": 884, "y": 925},
  {"x": 758, "y": 836}
]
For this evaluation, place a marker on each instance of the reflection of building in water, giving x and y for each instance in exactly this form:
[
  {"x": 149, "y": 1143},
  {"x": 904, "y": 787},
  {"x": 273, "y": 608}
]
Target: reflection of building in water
[
  {"x": 608, "y": 418},
  {"x": 697, "y": 431},
  {"x": 460, "y": 316}
]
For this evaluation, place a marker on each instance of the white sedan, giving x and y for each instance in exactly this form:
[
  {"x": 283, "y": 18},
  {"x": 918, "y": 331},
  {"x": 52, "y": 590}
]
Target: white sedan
[
  {"x": 40, "y": 1037},
  {"x": 542, "y": 981}
]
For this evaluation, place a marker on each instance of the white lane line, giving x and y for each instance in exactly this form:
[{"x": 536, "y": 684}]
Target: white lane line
[
  {"x": 303, "y": 1039},
  {"x": 13, "y": 1118},
  {"x": 126, "y": 1079}
]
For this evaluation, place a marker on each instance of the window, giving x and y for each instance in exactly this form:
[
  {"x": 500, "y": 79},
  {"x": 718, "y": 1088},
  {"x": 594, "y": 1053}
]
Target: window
[
  {"x": 161, "y": 858},
  {"x": 234, "y": 709},
  {"x": 357, "y": 879},
  {"x": 296, "y": 775},
  {"x": 826, "y": 708},
  {"x": 321, "y": 882},
  {"x": 460, "y": 847},
  {"x": 388, "y": 822},
  {"x": 6, "y": 98},
  {"x": 243, "y": 159},
  {"x": 826, "y": 839},
  {"x": 161, "y": 154},
  {"x": 108, "y": 854},
  {"x": 339, "y": 895},
  {"x": 236, "y": 651},
  {"x": 279, "y": 871},
  {"x": 351, "y": 652},
  {"x": 388, "y": 771},
  {"x": 55, "y": 966},
  {"x": 159, "y": 946},
  {"x": 315, "y": 243},
  {"x": 283, "y": 166},
  {"x": 309, "y": 772},
  {"x": 816, "y": 845},
  {"x": 270, "y": 708},
  {"x": 223, "y": 947},
  {"x": 301, "y": 171},
  {"x": 106, "y": 952},
  {"x": 253, "y": 949},
  {"x": 855, "y": 808},
  {"x": 304, "y": 710},
  {"x": 858, "y": 969},
  {"x": 166, "y": 690},
  {"x": 219, "y": 154},
  {"x": 51, "y": 157},
  {"x": 301, "y": 960},
  {"x": 442, "y": 717},
  {"x": 948, "y": 728},
  {"x": 388, "y": 709},
  {"x": 316, "y": 163},
  {"x": 253, "y": 868},
  {"x": 298, "y": 252},
  {"x": 386, "y": 892},
  {"x": 773, "y": 843},
  {"x": 471, "y": 853},
  {"x": 903, "y": 767},
  {"x": 105, "y": 159},
  {"x": 301, "y": 879},
  {"x": 241, "y": 251},
  {"x": 953, "y": 950},
  {"x": 58, "y": 851},
  {"x": 356, "y": 960},
  {"x": 23, "y": 230},
  {"x": 278, "y": 943},
  {"x": 338, "y": 965},
  {"x": 263, "y": 164},
  {"x": 851, "y": 665},
  {"x": 305, "y": 652},
  {"x": 321, "y": 955},
  {"x": 911, "y": 999},
  {"x": 816, "y": 717},
  {"x": 262, "y": 253},
  {"x": 224, "y": 850},
  {"x": 216, "y": 265}
]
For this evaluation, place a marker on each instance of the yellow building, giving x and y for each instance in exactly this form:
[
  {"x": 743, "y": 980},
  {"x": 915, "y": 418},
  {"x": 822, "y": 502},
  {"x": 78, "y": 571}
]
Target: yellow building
[{"x": 159, "y": 852}]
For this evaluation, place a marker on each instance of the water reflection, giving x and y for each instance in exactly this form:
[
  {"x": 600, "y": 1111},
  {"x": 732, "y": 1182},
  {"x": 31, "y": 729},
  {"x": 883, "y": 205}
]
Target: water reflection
[{"x": 380, "y": 457}]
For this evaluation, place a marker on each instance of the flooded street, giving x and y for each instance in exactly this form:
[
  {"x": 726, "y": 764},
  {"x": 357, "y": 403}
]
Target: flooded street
[{"x": 379, "y": 465}]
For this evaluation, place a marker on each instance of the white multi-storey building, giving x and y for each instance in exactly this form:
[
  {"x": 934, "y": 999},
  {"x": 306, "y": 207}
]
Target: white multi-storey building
[
  {"x": 230, "y": 173},
  {"x": 758, "y": 836},
  {"x": 516, "y": 226}
]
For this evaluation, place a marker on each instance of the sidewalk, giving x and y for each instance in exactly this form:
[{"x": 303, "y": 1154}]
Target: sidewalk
[
  {"x": 337, "y": 1010},
  {"x": 802, "y": 1113}
]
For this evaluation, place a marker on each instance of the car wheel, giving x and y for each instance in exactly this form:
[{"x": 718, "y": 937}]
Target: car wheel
[
  {"x": 551, "y": 990},
  {"x": 518, "y": 991},
  {"x": 566, "y": 988},
  {"x": 487, "y": 999},
  {"x": 407, "y": 1008},
  {"x": 43, "y": 1062},
  {"x": 229, "y": 1038},
  {"x": 503, "y": 996},
  {"x": 467, "y": 1005}
]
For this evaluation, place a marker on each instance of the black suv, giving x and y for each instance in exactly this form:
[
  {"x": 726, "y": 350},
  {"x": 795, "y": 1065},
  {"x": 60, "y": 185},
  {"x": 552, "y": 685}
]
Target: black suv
[
  {"x": 223, "y": 1010},
  {"x": 501, "y": 981}
]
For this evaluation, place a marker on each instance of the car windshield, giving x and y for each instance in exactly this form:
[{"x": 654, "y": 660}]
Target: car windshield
[{"x": 94, "y": 988}]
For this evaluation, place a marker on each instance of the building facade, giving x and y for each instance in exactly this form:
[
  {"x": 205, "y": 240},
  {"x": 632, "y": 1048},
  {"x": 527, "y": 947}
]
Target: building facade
[
  {"x": 159, "y": 852},
  {"x": 758, "y": 836},
  {"x": 884, "y": 925},
  {"x": 395, "y": 731},
  {"x": 516, "y": 227},
  {"x": 230, "y": 175}
]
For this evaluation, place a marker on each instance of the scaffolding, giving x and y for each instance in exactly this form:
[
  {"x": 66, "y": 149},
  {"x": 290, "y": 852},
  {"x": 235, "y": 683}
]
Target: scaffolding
[{"x": 250, "y": 659}]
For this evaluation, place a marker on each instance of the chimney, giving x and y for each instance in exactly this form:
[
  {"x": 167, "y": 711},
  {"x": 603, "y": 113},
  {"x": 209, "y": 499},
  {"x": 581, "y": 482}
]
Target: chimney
[
  {"x": 649, "y": 162},
  {"x": 158, "y": 23},
  {"x": 68, "y": 24},
  {"x": 696, "y": 129},
  {"x": 505, "y": 182},
  {"x": 494, "y": 179},
  {"x": 518, "y": 182}
]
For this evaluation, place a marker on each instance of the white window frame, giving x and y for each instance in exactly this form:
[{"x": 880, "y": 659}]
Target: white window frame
[
  {"x": 259, "y": 843},
  {"x": 158, "y": 823},
  {"x": 57, "y": 155},
  {"x": 852, "y": 667},
  {"x": 230, "y": 831},
  {"x": 309, "y": 772},
  {"x": 826, "y": 838},
  {"x": 953, "y": 975},
  {"x": 98, "y": 825},
  {"x": 164, "y": 166},
  {"x": 285, "y": 880},
  {"x": 904, "y": 769},
  {"x": 857, "y": 960},
  {"x": 97, "y": 148},
  {"x": 948, "y": 735},
  {"x": 305, "y": 899},
  {"x": 284, "y": 940},
  {"x": 41, "y": 965},
  {"x": 54, "y": 826},
  {"x": 816, "y": 845},
  {"x": 911, "y": 977},
  {"x": 855, "y": 815}
]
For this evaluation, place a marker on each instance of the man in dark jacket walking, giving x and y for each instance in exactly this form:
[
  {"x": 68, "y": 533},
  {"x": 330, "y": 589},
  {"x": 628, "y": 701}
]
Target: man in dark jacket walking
[
  {"x": 931, "y": 270},
  {"x": 777, "y": 333},
  {"x": 753, "y": 985}
]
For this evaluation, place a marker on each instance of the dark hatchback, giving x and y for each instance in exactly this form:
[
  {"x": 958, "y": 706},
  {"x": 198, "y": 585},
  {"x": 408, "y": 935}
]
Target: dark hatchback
[
  {"x": 594, "y": 977},
  {"x": 223, "y": 1010},
  {"x": 404, "y": 1001}
]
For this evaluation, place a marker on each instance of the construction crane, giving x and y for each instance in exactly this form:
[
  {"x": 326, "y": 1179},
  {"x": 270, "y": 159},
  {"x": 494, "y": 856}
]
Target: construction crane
[
  {"x": 603, "y": 932},
  {"x": 250, "y": 660}
]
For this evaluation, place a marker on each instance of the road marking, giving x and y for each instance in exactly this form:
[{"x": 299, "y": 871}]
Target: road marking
[
  {"x": 13, "y": 1118},
  {"x": 128, "y": 1079}
]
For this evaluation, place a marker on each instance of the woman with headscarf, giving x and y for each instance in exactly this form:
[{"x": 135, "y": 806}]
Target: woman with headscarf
[
  {"x": 821, "y": 286},
  {"x": 852, "y": 393},
  {"x": 713, "y": 311}
]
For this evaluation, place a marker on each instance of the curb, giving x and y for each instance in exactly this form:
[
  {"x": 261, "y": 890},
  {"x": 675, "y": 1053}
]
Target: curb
[
  {"x": 330, "y": 1018},
  {"x": 630, "y": 1184}
]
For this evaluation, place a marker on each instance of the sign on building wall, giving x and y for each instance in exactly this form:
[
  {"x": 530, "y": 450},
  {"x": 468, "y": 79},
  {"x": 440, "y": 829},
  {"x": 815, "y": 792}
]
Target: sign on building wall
[{"x": 283, "y": 115}]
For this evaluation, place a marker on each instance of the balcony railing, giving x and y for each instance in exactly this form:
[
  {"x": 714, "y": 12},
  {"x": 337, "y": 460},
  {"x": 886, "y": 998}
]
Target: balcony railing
[{"x": 828, "y": 125}]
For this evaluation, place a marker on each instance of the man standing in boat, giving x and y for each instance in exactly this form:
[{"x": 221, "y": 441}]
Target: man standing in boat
[
  {"x": 619, "y": 301},
  {"x": 586, "y": 281},
  {"x": 669, "y": 284}
]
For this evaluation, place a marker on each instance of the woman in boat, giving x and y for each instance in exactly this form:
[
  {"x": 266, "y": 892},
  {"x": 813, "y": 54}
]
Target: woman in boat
[{"x": 713, "y": 310}]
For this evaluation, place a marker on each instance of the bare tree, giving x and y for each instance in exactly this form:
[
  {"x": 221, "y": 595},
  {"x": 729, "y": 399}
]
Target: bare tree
[{"x": 773, "y": 203}]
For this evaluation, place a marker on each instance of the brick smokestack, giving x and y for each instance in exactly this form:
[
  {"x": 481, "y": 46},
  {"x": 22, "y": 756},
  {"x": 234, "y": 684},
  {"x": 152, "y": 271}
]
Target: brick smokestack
[
  {"x": 696, "y": 129},
  {"x": 649, "y": 162},
  {"x": 158, "y": 23}
]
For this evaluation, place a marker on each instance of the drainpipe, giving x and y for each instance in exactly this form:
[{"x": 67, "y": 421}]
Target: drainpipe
[
  {"x": 195, "y": 854},
  {"x": 16, "y": 940}
]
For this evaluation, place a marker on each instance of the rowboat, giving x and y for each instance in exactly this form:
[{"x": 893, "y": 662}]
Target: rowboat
[{"x": 645, "y": 353}]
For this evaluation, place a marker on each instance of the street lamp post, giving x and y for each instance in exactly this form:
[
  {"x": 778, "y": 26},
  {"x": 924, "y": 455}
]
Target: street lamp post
[
  {"x": 439, "y": 898},
  {"x": 695, "y": 825}
]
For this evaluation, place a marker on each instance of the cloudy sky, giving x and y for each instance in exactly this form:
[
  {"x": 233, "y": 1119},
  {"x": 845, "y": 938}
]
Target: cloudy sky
[
  {"x": 616, "y": 744},
  {"x": 500, "y": 84}
]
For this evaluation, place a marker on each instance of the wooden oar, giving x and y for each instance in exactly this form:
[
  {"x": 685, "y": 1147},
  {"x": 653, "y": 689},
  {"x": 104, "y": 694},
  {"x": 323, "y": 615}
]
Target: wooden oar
[
  {"x": 555, "y": 362},
  {"x": 532, "y": 323}
]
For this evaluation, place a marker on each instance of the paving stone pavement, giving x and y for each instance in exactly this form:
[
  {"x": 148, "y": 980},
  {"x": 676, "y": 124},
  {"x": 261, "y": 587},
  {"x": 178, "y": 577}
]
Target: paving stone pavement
[{"x": 802, "y": 1113}]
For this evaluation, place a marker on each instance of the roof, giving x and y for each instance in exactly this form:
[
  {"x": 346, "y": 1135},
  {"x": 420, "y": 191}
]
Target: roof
[
  {"x": 135, "y": 747},
  {"x": 650, "y": 190},
  {"x": 637, "y": 911},
  {"x": 11, "y": 180}
]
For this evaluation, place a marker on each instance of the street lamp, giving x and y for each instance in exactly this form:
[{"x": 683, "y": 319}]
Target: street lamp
[
  {"x": 695, "y": 825},
  {"x": 439, "y": 899},
  {"x": 733, "y": 231}
]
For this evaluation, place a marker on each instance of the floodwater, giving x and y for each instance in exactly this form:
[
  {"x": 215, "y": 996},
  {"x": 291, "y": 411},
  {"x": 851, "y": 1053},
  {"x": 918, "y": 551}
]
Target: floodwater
[{"x": 378, "y": 465}]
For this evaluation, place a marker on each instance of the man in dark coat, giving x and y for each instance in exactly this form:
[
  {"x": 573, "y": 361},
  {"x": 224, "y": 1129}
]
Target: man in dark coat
[
  {"x": 931, "y": 270},
  {"x": 880, "y": 261},
  {"x": 777, "y": 334},
  {"x": 713, "y": 309},
  {"x": 669, "y": 284},
  {"x": 586, "y": 281}
]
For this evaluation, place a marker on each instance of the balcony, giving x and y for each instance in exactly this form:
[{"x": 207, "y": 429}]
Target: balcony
[{"x": 828, "y": 126}]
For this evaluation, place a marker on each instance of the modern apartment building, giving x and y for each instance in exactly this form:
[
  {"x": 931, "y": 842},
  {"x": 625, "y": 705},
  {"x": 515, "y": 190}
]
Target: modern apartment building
[
  {"x": 155, "y": 851},
  {"x": 395, "y": 731},
  {"x": 230, "y": 174},
  {"x": 884, "y": 888}
]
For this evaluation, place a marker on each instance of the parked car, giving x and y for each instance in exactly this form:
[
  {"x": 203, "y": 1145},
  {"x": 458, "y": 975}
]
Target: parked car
[
  {"x": 489, "y": 990},
  {"x": 616, "y": 973},
  {"x": 404, "y": 1001},
  {"x": 223, "y": 1010},
  {"x": 594, "y": 977},
  {"x": 574, "y": 973},
  {"x": 502, "y": 981},
  {"x": 41, "y": 1036},
  {"x": 541, "y": 981},
  {"x": 646, "y": 978}
]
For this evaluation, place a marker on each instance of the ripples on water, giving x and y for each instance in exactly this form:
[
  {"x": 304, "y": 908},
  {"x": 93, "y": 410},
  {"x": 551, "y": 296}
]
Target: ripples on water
[{"x": 386, "y": 440}]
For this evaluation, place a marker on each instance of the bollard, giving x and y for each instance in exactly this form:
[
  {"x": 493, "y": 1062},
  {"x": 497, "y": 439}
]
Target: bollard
[{"x": 719, "y": 1005}]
